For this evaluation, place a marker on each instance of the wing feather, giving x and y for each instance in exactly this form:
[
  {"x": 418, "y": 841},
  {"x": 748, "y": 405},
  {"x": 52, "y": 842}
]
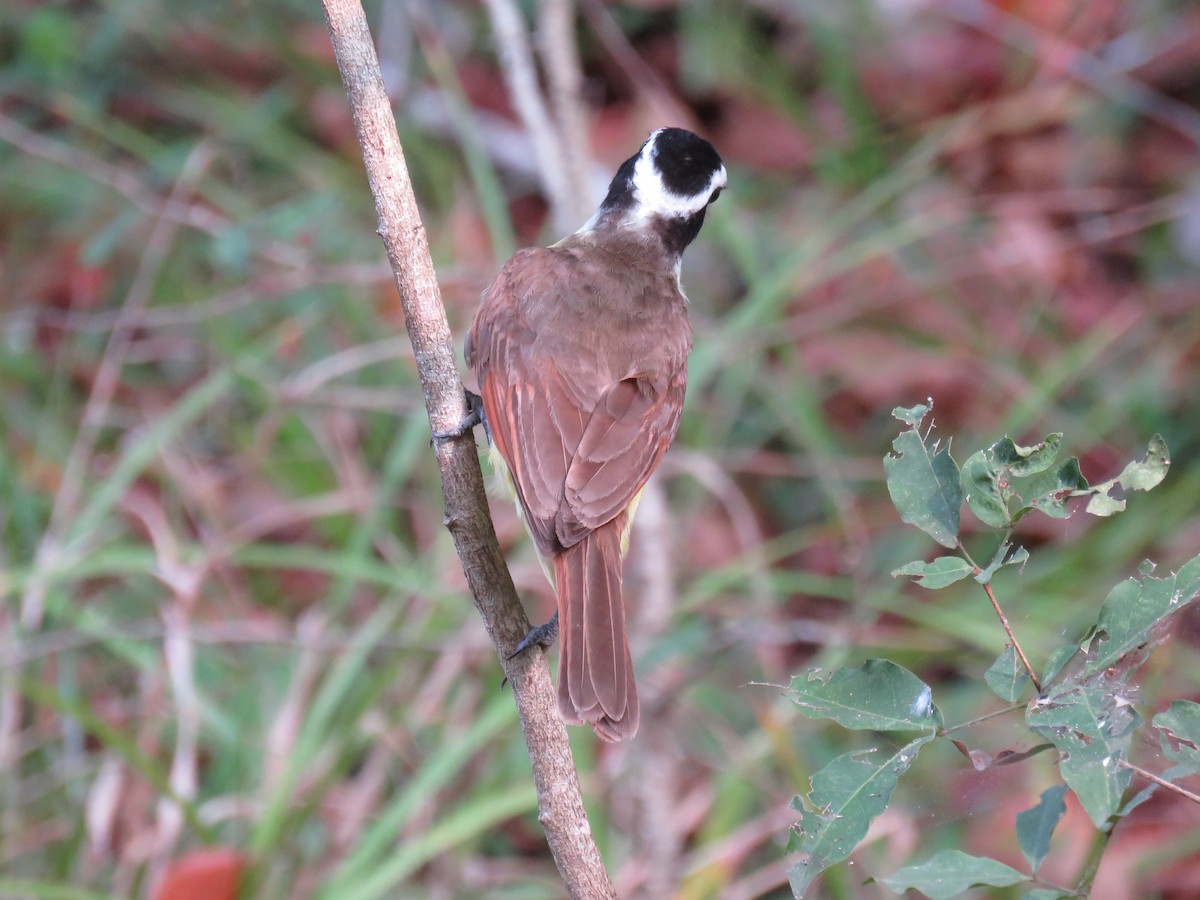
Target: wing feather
[{"x": 581, "y": 431}]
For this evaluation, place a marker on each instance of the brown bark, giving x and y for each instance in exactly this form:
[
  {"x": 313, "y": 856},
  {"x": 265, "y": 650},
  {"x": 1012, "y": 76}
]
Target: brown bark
[{"x": 560, "y": 803}]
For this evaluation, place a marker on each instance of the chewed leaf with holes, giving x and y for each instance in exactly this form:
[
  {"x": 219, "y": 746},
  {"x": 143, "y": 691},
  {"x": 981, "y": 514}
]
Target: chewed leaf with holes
[
  {"x": 940, "y": 573},
  {"x": 912, "y": 415},
  {"x": 1005, "y": 556},
  {"x": 1049, "y": 491},
  {"x": 987, "y": 476},
  {"x": 924, "y": 483},
  {"x": 995, "y": 492},
  {"x": 878, "y": 695},
  {"x": 1179, "y": 728},
  {"x": 1091, "y": 725},
  {"x": 1140, "y": 475},
  {"x": 845, "y": 797},
  {"x": 1133, "y": 609}
]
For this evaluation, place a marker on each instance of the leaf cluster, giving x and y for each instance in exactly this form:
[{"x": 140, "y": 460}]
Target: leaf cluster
[{"x": 1081, "y": 705}]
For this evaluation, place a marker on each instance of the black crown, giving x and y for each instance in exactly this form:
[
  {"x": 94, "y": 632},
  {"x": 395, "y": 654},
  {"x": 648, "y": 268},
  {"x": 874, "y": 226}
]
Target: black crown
[{"x": 685, "y": 161}]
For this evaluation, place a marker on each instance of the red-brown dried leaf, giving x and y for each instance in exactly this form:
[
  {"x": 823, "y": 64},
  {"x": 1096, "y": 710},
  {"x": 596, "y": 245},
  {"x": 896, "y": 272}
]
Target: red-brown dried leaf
[{"x": 209, "y": 873}]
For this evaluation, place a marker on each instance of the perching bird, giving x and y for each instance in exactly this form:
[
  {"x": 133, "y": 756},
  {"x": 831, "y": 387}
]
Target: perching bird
[{"x": 581, "y": 355}]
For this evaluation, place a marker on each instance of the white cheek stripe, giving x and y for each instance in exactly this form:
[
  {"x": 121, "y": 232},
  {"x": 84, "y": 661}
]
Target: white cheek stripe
[{"x": 652, "y": 195}]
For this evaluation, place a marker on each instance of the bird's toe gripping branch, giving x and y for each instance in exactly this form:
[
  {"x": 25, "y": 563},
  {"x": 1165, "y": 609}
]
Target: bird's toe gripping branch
[
  {"x": 473, "y": 417},
  {"x": 539, "y": 636}
]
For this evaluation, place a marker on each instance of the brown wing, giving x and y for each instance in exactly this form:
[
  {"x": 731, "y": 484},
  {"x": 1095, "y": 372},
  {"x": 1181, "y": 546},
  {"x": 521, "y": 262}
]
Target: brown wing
[
  {"x": 579, "y": 442},
  {"x": 629, "y": 430}
]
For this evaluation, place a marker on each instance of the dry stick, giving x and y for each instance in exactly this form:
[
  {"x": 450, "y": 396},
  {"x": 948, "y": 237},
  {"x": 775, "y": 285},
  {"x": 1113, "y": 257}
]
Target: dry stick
[
  {"x": 1161, "y": 782},
  {"x": 564, "y": 77},
  {"x": 520, "y": 75},
  {"x": 560, "y": 803},
  {"x": 1012, "y": 638}
]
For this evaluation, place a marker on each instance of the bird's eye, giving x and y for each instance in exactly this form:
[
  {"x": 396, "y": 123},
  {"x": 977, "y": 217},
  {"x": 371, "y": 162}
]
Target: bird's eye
[{"x": 715, "y": 194}]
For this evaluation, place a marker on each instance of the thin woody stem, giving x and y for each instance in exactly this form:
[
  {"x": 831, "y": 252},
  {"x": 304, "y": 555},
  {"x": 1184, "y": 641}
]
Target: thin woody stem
[
  {"x": 1012, "y": 638},
  {"x": 999, "y": 712},
  {"x": 1161, "y": 782},
  {"x": 560, "y": 800}
]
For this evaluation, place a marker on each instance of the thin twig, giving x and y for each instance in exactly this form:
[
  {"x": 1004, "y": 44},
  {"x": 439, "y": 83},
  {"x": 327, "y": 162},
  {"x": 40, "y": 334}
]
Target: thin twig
[
  {"x": 560, "y": 801},
  {"x": 1012, "y": 638},
  {"x": 1091, "y": 862},
  {"x": 564, "y": 77},
  {"x": 656, "y": 769},
  {"x": 999, "y": 712},
  {"x": 520, "y": 74},
  {"x": 1161, "y": 782}
]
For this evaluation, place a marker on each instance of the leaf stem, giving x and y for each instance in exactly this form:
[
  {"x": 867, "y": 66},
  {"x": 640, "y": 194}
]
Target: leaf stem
[
  {"x": 1012, "y": 638},
  {"x": 1091, "y": 865},
  {"x": 978, "y": 719},
  {"x": 962, "y": 548},
  {"x": 1161, "y": 782}
]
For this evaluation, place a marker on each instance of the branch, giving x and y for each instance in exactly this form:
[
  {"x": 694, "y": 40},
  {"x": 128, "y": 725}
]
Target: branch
[
  {"x": 560, "y": 803},
  {"x": 1161, "y": 782},
  {"x": 1012, "y": 638}
]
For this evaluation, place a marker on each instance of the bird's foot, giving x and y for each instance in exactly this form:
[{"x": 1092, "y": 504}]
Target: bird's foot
[
  {"x": 539, "y": 636},
  {"x": 473, "y": 417}
]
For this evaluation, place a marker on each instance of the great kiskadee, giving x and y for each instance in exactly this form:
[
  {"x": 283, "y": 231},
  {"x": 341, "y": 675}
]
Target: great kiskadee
[{"x": 581, "y": 354}]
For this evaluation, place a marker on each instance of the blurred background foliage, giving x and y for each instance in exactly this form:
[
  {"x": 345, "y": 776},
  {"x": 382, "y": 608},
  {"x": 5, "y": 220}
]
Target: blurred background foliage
[{"x": 233, "y": 633}]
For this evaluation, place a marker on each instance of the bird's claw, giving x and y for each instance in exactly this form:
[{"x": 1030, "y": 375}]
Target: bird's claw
[
  {"x": 539, "y": 636},
  {"x": 473, "y": 417}
]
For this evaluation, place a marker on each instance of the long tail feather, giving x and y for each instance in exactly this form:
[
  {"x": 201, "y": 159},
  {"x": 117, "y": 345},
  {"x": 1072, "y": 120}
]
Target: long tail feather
[{"x": 595, "y": 669}]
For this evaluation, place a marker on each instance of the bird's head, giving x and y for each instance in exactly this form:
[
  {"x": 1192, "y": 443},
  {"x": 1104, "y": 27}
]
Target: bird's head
[{"x": 664, "y": 188}]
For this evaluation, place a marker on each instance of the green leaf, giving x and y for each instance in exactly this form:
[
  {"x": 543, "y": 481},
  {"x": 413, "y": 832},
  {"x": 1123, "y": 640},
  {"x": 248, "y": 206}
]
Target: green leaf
[
  {"x": 1046, "y": 894},
  {"x": 1180, "y": 733},
  {"x": 912, "y": 415},
  {"x": 924, "y": 485},
  {"x": 878, "y": 695},
  {"x": 1018, "y": 557},
  {"x": 952, "y": 872},
  {"x": 845, "y": 797},
  {"x": 987, "y": 476},
  {"x": 1049, "y": 491},
  {"x": 982, "y": 490},
  {"x": 1058, "y": 659},
  {"x": 1025, "y": 461},
  {"x": 1035, "y": 826},
  {"x": 1137, "y": 476},
  {"x": 1133, "y": 609},
  {"x": 1091, "y": 727},
  {"x": 943, "y": 571},
  {"x": 1007, "y": 676}
]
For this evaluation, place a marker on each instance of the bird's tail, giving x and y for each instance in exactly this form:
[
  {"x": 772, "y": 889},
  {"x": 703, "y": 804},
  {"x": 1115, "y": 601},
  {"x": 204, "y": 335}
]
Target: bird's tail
[{"x": 595, "y": 670}]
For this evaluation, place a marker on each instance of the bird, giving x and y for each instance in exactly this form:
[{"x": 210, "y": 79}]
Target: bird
[{"x": 580, "y": 351}]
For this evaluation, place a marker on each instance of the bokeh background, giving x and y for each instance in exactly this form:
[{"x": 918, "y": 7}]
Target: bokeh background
[{"x": 234, "y": 636}]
